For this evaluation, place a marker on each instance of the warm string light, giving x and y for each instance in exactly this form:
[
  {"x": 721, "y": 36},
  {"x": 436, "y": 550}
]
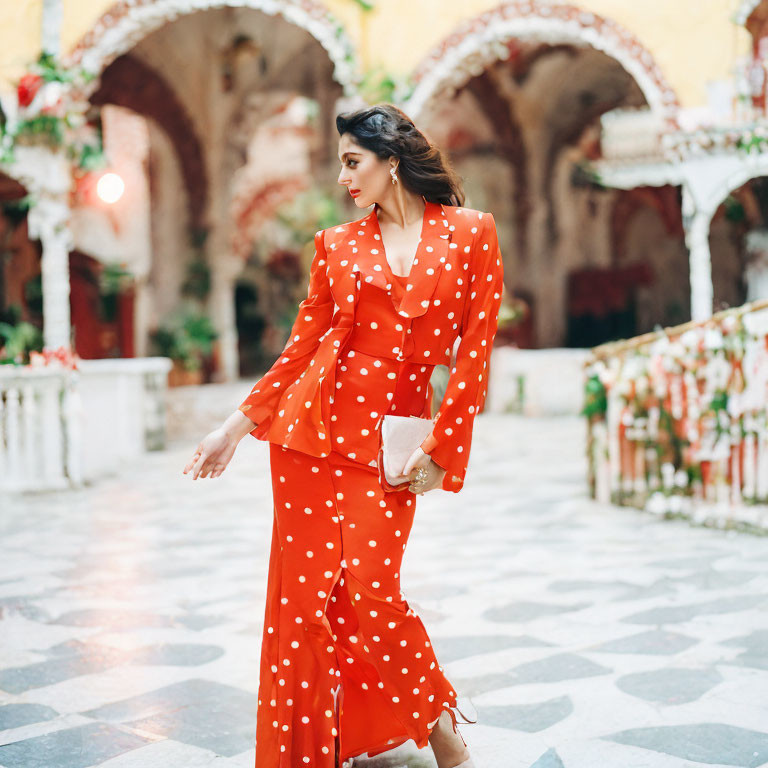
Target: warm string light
[{"x": 110, "y": 187}]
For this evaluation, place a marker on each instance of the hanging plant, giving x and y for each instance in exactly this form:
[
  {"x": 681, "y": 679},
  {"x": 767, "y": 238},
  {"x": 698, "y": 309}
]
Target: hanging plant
[
  {"x": 51, "y": 112},
  {"x": 378, "y": 85}
]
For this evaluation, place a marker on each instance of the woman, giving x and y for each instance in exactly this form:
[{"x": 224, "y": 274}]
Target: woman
[{"x": 346, "y": 665}]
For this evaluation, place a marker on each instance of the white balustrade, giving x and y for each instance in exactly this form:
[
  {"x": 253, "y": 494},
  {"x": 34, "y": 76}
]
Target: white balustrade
[
  {"x": 62, "y": 428},
  {"x": 678, "y": 420}
]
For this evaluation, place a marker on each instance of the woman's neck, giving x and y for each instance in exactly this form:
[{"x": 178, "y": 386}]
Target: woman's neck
[{"x": 402, "y": 211}]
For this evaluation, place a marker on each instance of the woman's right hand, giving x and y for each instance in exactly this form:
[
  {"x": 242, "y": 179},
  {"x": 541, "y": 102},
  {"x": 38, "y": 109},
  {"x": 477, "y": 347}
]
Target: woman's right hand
[{"x": 212, "y": 454}]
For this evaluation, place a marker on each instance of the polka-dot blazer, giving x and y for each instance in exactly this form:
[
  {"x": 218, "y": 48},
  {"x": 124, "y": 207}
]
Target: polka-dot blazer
[{"x": 454, "y": 290}]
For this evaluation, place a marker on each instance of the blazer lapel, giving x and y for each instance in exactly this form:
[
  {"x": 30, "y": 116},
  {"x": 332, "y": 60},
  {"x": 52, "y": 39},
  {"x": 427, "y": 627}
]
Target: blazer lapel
[
  {"x": 358, "y": 254},
  {"x": 428, "y": 262}
]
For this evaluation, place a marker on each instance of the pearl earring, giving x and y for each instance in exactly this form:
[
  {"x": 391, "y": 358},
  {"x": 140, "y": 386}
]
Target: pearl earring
[{"x": 394, "y": 175}]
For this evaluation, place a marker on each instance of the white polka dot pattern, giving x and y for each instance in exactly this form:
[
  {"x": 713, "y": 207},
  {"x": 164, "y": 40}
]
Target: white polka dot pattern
[
  {"x": 453, "y": 289},
  {"x": 345, "y": 660},
  {"x": 450, "y": 441},
  {"x": 312, "y": 321}
]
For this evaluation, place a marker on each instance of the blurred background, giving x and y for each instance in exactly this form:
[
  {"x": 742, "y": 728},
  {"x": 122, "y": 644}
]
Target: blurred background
[{"x": 164, "y": 165}]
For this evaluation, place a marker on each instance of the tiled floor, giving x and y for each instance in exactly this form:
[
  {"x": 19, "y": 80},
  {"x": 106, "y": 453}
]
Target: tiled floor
[{"x": 582, "y": 636}]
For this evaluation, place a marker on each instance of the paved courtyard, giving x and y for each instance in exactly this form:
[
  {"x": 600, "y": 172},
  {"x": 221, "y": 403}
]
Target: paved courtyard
[{"x": 581, "y": 635}]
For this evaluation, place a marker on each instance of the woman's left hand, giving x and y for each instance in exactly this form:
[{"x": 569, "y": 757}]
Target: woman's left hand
[{"x": 435, "y": 472}]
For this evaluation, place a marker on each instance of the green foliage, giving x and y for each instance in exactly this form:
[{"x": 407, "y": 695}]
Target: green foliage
[
  {"x": 48, "y": 127},
  {"x": 187, "y": 337},
  {"x": 197, "y": 237},
  {"x": 18, "y": 341},
  {"x": 377, "y": 85},
  {"x": 512, "y": 311},
  {"x": 694, "y": 474},
  {"x": 595, "y": 398},
  {"x": 15, "y": 211},
  {"x": 197, "y": 283},
  {"x": 307, "y": 213},
  {"x": 33, "y": 294},
  {"x": 6, "y": 146},
  {"x": 734, "y": 210},
  {"x": 584, "y": 174},
  {"x": 51, "y": 70},
  {"x": 114, "y": 278},
  {"x": 719, "y": 401},
  {"x": 55, "y": 129},
  {"x": 677, "y": 444},
  {"x": 89, "y": 157}
]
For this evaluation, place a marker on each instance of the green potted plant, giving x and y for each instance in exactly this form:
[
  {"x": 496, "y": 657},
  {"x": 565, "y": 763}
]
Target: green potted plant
[
  {"x": 18, "y": 340},
  {"x": 187, "y": 338}
]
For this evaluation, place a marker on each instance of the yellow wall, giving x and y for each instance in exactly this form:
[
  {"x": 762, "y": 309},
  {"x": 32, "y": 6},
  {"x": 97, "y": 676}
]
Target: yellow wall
[
  {"x": 19, "y": 37},
  {"x": 693, "y": 41},
  {"x": 77, "y": 17}
]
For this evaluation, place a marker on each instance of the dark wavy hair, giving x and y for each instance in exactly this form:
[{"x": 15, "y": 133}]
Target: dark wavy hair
[{"x": 389, "y": 132}]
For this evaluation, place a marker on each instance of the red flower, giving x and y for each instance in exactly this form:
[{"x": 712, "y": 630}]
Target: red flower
[
  {"x": 28, "y": 87},
  {"x": 62, "y": 357}
]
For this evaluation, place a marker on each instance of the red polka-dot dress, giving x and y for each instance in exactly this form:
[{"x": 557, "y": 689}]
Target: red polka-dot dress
[{"x": 347, "y": 667}]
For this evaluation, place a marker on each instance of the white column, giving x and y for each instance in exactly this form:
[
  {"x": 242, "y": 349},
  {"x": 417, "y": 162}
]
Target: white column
[
  {"x": 46, "y": 173},
  {"x": 221, "y": 307},
  {"x": 696, "y": 225},
  {"x": 51, "y": 27}
]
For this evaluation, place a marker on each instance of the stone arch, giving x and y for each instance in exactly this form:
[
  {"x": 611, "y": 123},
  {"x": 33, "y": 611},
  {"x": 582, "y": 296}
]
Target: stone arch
[
  {"x": 129, "y": 21},
  {"x": 752, "y": 168},
  {"x": 735, "y": 265},
  {"x": 129, "y": 82},
  {"x": 482, "y": 40}
]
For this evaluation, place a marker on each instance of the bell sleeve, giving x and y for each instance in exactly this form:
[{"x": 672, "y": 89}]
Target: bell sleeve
[
  {"x": 450, "y": 440},
  {"x": 312, "y": 322}
]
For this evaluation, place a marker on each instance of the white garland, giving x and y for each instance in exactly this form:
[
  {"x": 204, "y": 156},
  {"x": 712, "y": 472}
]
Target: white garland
[
  {"x": 745, "y": 11},
  {"x": 130, "y": 21}
]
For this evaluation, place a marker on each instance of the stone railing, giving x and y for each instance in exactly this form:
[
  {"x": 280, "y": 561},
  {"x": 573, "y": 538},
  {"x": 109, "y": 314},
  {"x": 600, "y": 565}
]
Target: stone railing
[
  {"x": 62, "y": 428},
  {"x": 637, "y": 135},
  {"x": 677, "y": 420},
  {"x": 37, "y": 442},
  {"x": 631, "y": 135}
]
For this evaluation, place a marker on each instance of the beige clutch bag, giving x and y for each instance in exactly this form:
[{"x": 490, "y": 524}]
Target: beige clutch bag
[{"x": 400, "y": 437}]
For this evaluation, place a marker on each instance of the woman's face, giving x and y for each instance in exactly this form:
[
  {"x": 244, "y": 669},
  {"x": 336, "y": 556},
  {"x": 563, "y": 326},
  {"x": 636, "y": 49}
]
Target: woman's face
[{"x": 363, "y": 173}]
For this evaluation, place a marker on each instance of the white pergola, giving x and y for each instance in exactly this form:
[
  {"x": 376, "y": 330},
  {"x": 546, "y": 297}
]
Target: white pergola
[{"x": 705, "y": 181}]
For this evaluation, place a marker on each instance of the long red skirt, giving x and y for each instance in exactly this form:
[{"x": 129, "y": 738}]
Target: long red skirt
[{"x": 346, "y": 665}]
